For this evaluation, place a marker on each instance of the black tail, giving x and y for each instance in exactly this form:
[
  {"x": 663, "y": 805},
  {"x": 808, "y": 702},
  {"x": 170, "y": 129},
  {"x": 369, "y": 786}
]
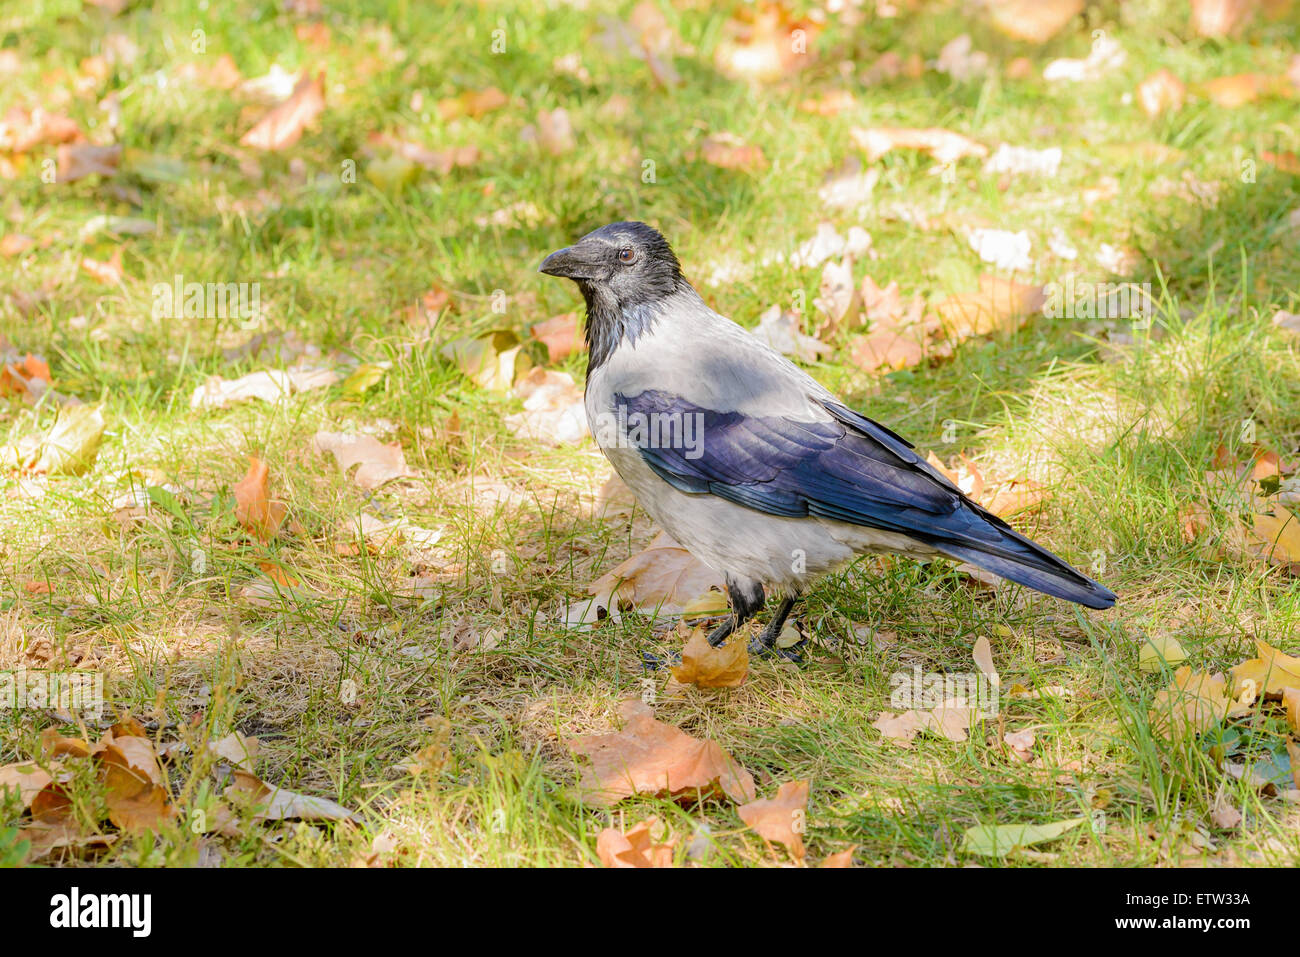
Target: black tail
[{"x": 1024, "y": 562}]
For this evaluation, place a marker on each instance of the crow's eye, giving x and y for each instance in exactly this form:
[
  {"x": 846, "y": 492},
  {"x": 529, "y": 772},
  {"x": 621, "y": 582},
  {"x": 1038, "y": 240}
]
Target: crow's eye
[{"x": 627, "y": 255}]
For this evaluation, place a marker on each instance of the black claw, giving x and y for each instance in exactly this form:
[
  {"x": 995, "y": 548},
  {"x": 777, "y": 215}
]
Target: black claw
[
  {"x": 757, "y": 649},
  {"x": 653, "y": 662}
]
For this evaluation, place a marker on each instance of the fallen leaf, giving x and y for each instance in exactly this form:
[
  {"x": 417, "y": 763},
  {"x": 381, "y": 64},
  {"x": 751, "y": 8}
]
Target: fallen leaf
[
  {"x": 664, "y": 577},
  {"x": 1193, "y": 703},
  {"x": 236, "y": 749},
  {"x": 764, "y": 43},
  {"x": 560, "y": 334},
  {"x": 379, "y": 463},
  {"x": 1218, "y": 18},
  {"x": 653, "y": 758},
  {"x": 554, "y": 412},
  {"x": 279, "y": 804},
  {"x": 944, "y": 145},
  {"x": 783, "y": 331},
  {"x": 636, "y": 848},
  {"x": 72, "y": 444},
  {"x": 1034, "y": 21},
  {"x": 1105, "y": 57},
  {"x": 24, "y": 777},
  {"x": 707, "y": 667},
  {"x": 472, "y": 103},
  {"x": 841, "y": 859},
  {"x": 989, "y": 840},
  {"x": 79, "y": 160},
  {"x": 728, "y": 151},
  {"x": 109, "y": 273},
  {"x": 284, "y": 124},
  {"x": 218, "y": 393},
  {"x": 782, "y": 818},
  {"x": 983, "y": 655},
  {"x": 1161, "y": 92},
  {"x": 254, "y": 508},
  {"x": 1160, "y": 652},
  {"x": 1271, "y": 673}
]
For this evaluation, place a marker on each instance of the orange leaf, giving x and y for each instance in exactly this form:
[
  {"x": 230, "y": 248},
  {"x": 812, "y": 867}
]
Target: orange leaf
[
  {"x": 284, "y": 125},
  {"x": 650, "y": 757},
  {"x": 781, "y": 819},
  {"x": 253, "y": 506},
  {"x": 707, "y": 667},
  {"x": 636, "y": 848}
]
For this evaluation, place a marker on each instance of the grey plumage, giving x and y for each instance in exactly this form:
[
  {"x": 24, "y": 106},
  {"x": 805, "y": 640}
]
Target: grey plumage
[{"x": 747, "y": 460}]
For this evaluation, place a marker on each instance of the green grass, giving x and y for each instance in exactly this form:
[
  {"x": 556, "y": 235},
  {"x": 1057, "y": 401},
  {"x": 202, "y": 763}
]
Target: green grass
[{"x": 1122, "y": 444}]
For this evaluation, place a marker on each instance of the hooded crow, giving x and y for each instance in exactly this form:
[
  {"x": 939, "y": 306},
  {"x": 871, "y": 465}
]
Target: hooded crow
[{"x": 746, "y": 460}]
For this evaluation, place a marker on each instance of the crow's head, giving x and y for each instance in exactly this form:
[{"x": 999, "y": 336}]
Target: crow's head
[{"x": 620, "y": 265}]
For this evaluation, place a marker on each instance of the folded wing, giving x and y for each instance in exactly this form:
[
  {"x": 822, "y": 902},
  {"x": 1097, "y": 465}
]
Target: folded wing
[{"x": 843, "y": 467}]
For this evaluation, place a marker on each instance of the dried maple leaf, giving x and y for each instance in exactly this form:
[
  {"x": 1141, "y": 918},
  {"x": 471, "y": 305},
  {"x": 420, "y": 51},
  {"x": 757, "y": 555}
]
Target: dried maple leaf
[
  {"x": 1000, "y": 304},
  {"x": 665, "y": 577},
  {"x": 636, "y": 848},
  {"x": 379, "y": 463},
  {"x": 653, "y": 758},
  {"x": 707, "y": 667},
  {"x": 781, "y": 819},
  {"x": 254, "y": 508},
  {"x": 1194, "y": 702},
  {"x": 284, "y": 124},
  {"x": 1271, "y": 673}
]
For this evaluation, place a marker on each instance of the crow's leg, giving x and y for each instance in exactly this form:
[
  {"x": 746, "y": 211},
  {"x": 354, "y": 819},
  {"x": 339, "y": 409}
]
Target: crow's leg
[
  {"x": 766, "y": 642},
  {"x": 746, "y": 599}
]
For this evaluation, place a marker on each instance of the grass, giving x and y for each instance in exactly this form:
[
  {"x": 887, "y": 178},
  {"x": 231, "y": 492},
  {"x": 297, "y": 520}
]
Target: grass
[{"x": 1123, "y": 442}]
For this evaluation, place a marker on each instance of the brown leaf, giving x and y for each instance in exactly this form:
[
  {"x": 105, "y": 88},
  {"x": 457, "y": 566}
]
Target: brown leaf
[
  {"x": 79, "y": 160},
  {"x": 132, "y": 782},
  {"x": 1000, "y": 304},
  {"x": 636, "y": 848},
  {"x": 1161, "y": 92},
  {"x": 472, "y": 103},
  {"x": 764, "y": 43},
  {"x": 664, "y": 576},
  {"x": 236, "y": 749},
  {"x": 379, "y": 463},
  {"x": 944, "y": 145},
  {"x": 560, "y": 334},
  {"x": 1034, "y": 21},
  {"x": 1218, "y": 18},
  {"x": 707, "y": 667},
  {"x": 254, "y": 508},
  {"x": 279, "y": 804},
  {"x": 653, "y": 758},
  {"x": 22, "y": 130},
  {"x": 109, "y": 273},
  {"x": 781, "y": 819},
  {"x": 728, "y": 151},
  {"x": 284, "y": 124},
  {"x": 24, "y": 777},
  {"x": 842, "y": 859},
  {"x": 1194, "y": 702}
]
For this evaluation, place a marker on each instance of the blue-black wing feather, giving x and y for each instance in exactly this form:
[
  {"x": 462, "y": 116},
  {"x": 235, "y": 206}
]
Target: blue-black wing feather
[{"x": 847, "y": 468}]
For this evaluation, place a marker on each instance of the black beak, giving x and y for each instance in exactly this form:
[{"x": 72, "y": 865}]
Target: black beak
[{"x": 571, "y": 262}]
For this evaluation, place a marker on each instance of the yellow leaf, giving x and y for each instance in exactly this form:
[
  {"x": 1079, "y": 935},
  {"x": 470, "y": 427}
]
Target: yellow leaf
[
  {"x": 707, "y": 667},
  {"x": 1160, "y": 651},
  {"x": 1271, "y": 672}
]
